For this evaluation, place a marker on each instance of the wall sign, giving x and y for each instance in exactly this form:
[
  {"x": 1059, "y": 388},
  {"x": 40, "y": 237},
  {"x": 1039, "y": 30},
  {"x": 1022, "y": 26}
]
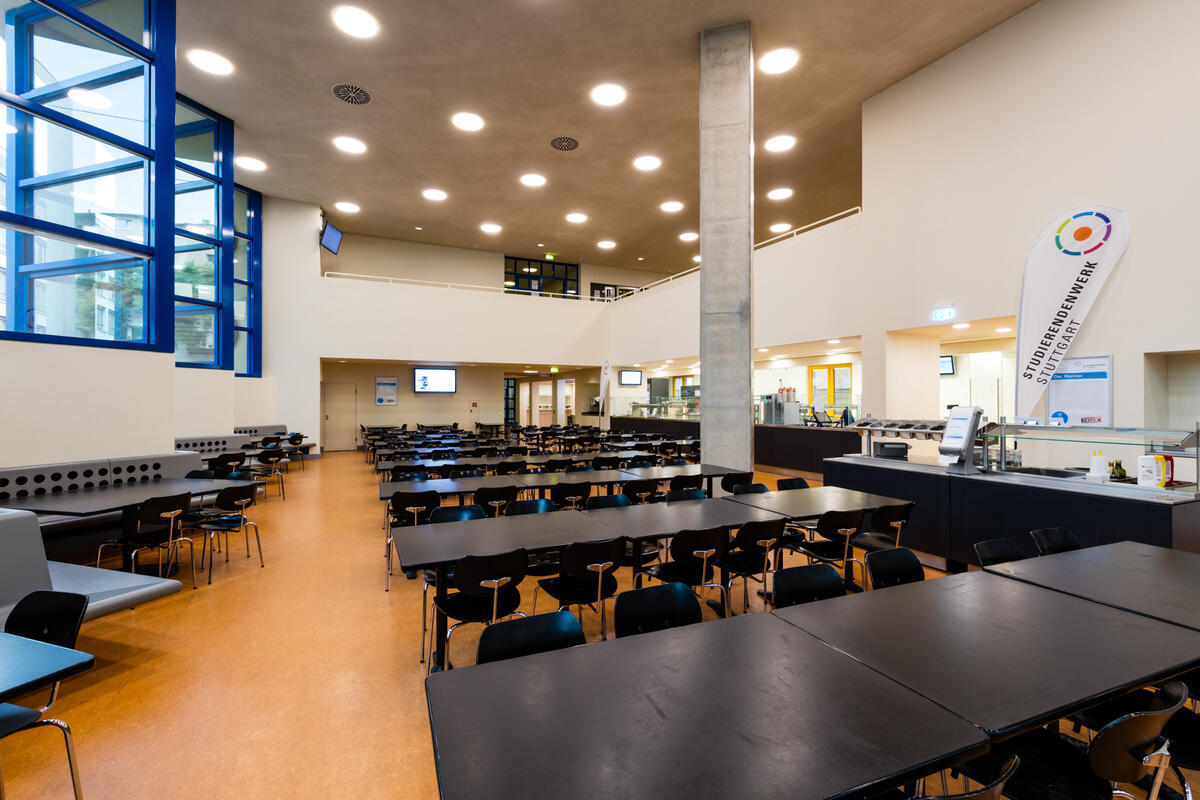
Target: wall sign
[
  {"x": 386, "y": 390},
  {"x": 1080, "y": 393},
  {"x": 944, "y": 314}
]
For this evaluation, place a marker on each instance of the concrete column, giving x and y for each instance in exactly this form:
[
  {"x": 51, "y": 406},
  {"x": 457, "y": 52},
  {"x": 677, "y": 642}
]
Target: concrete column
[{"x": 726, "y": 244}]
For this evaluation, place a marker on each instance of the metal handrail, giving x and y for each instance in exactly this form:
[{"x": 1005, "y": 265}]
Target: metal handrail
[{"x": 794, "y": 232}]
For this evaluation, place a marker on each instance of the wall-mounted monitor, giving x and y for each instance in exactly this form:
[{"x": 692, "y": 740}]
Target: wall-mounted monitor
[
  {"x": 946, "y": 365},
  {"x": 629, "y": 377},
  {"x": 435, "y": 381},
  {"x": 331, "y": 238}
]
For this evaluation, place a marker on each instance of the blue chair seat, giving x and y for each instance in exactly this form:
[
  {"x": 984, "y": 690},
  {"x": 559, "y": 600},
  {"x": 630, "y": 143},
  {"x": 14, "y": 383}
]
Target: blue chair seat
[
  {"x": 222, "y": 524},
  {"x": 14, "y": 718}
]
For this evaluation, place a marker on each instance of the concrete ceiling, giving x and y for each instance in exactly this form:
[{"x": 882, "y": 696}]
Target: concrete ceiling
[{"x": 527, "y": 67}]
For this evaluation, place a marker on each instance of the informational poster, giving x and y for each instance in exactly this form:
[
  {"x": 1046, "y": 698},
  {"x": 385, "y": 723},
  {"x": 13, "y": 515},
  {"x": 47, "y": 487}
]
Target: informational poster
[
  {"x": 387, "y": 388},
  {"x": 1080, "y": 392},
  {"x": 1064, "y": 273},
  {"x": 605, "y": 376}
]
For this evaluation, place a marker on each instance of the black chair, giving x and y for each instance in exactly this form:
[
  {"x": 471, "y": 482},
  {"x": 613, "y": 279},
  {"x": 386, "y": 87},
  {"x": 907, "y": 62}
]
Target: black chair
[
  {"x": 229, "y": 516},
  {"x": 580, "y": 468},
  {"x": 487, "y": 591},
  {"x": 299, "y": 449},
  {"x": 156, "y": 526},
  {"x": 992, "y": 791},
  {"x": 835, "y": 528},
  {"x": 456, "y": 474},
  {"x": 655, "y": 608},
  {"x": 735, "y": 479},
  {"x": 693, "y": 555},
  {"x": 683, "y": 495},
  {"x": 456, "y": 514},
  {"x": 607, "y": 501},
  {"x": 200, "y": 474},
  {"x": 227, "y": 463},
  {"x": 557, "y": 464},
  {"x": 53, "y": 618},
  {"x": 606, "y": 462},
  {"x": 750, "y": 488},
  {"x": 570, "y": 495},
  {"x": 442, "y": 454},
  {"x": 785, "y": 484},
  {"x": 884, "y": 527},
  {"x": 525, "y": 637},
  {"x": 642, "y": 462},
  {"x": 519, "y": 507},
  {"x": 639, "y": 490},
  {"x": 997, "y": 551},
  {"x": 753, "y": 545},
  {"x": 1054, "y": 540},
  {"x": 894, "y": 567},
  {"x": 509, "y": 467},
  {"x": 586, "y": 576},
  {"x": 796, "y": 585},
  {"x": 407, "y": 474},
  {"x": 673, "y": 462},
  {"x": 268, "y": 468},
  {"x": 403, "y": 510},
  {"x": 686, "y": 482},
  {"x": 495, "y": 498}
]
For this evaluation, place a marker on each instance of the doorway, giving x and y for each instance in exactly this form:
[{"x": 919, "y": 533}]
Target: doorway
[
  {"x": 339, "y": 416},
  {"x": 830, "y": 386}
]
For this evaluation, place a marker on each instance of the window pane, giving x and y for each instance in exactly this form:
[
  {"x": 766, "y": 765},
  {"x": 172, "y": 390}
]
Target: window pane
[
  {"x": 195, "y": 269},
  {"x": 104, "y": 304},
  {"x": 57, "y": 149},
  {"x": 241, "y": 259},
  {"x": 241, "y": 352},
  {"x": 195, "y": 342},
  {"x": 241, "y": 305},
  {"x": 113, "y": 205},
  {"x": 118, "y": 107},
  {"x": 241, "y": 211},
  {"x": 195, "y": 204},
  {"x": 123, "y": 16},
  {"x": 195, "y": 139},
  {"x": 62, "y": 50}
]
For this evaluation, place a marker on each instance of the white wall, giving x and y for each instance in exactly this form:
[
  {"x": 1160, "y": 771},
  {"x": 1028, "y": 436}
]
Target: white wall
[
  {"x": 370, "y": 255},
  {"x": 204, "y": 402},
  {"x": 255, "y": 403},
  {"x": 482, "y": 385}
]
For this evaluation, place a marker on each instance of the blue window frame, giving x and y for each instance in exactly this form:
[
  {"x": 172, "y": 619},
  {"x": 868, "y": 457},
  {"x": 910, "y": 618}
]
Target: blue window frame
[
  {"x": 87, "y": 225},
  {"x": 247, "y": 282}
]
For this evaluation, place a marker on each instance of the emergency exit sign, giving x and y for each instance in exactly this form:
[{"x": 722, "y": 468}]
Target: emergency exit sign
[{"x": 944, "y": 314}]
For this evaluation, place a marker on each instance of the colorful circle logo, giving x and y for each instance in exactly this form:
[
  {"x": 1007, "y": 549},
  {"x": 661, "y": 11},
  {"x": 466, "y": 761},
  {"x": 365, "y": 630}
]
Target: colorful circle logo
[{"x": 1084, "y": 233}]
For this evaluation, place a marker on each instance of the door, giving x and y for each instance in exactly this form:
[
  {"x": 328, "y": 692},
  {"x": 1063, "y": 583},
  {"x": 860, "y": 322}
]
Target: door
[
  {"x": 339, "y": 416},
  {"x": 830, "y": 387}
]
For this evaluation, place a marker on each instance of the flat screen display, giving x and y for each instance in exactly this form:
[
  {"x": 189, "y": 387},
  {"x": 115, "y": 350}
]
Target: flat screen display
[
  {"x": 331, "y": 238},
  {"x": 629, "y": 377},
  {"x": 435, "y": 381},
  {"x": 946, "y": 364}
]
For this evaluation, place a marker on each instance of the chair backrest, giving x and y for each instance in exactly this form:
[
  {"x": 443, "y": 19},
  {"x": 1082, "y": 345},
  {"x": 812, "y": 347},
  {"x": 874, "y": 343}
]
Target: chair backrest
[
  {"x": 402, "y": 501},
  {"x": 655, "y": 608},
  {"x": 296, "y": 438},
  {"x": 683, "y": 495},
  {"x": 487, "y": 495},
  {"x": 539, "y": 506},
  {"x": 1117, "y": 749},
  {"x": 200, "y": 474},
  {"x": 561, "y": 491},
  {"x": 762, "y": 530},
  {"x": 150, "y": 512},
  {"x": 50, "y": 617},
  {"x": 638, "y": 462},
  {"x": 894, "y": 567},
  {"x": 784, "y": 484},
  {"x": 750, "y": 488},
  {"x": 401, "y": 474},
  {"x": 993, "y": 791},
  {"x": 466, "y": 473},
  {"x": 581, "y": 559},
  {"x": 525, "y": 637},
  {"x": 644, "y": 488},
  {"x": 607, "y": 501},
  {"x": 509, "y": 467},
  {"x": 1054, "y": 540},
  {"x": 997, "y": 551},
  {"x": 686, "y": 482},
  {"x": 831, "y": 523},
  {"x": 471, "y": 571},
  {"x": 734, "y": 479},
  {"x": 796, "y": 585},
  {"x": 517, "y": 450},
  {"x": 270, "y": 441},
  {"x": 687, "y": 543},
  {"x": 580, "y": 468},
  {"x": 606, "y": 462},
  {"x": 883, "y": 517},
  {"x": 235, "y": 498},
  {"x": 456, "y": 513},
  {"x": 557, "y": 464},
  {"x": 677, "y": 462}
]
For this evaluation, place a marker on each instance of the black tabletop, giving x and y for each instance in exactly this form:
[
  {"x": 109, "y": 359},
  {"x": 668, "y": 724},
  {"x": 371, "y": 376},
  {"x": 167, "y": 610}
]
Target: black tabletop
[
  {"x": 743, "y": 707},
  {"x": 596, "y": 476},
  {"x": 452, "y": 486},
  {"x": 83, "y": 502},
  {"x": 1155, "y": 581},
  {"x": 26, "y": 664},
  {"x": 471, "y": 461},
  {"x": 1005, "y": 655},
  {"x": 654, "y": 520},
  {"x": 666, "y": 473},
  {"x": 812, "y": 503},
  {"x": 422, "y": 546}
]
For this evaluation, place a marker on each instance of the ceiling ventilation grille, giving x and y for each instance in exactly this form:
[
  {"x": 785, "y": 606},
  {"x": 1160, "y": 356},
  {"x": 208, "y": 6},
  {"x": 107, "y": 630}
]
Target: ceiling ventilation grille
[
  {"x": 564, "y": 144},
  {"x": 349, "y": 93}
]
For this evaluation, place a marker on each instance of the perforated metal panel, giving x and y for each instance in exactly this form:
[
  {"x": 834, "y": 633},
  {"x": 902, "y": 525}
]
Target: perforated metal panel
[
  {"x": 213, "y": 444},
  {"x": 52, "y": 478},
  {"x": 262, "y": 430},
  {"x": 154, "y": 467}
]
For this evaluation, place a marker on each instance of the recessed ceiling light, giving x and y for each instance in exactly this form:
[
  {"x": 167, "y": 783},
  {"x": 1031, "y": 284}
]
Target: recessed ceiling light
[
  {"x": 529, "y": 371},
  {"x": 763, "y": 349},
  {"x": 696, "y": 259},
  {"x": 576, "y": 217},
  {"x": 647, "y": 163},
  {"x": 780, "y": 227},
  {"x": 347, "y": 207},
  {"x": 251, "y": 163},
  {"x": 466, "y": 121},
  {"x": 348, "y": 144},
  {"x": 608, "y": 94},
  {"x": 641, "y": 259},
  {"x": 606, "y": 244},
  {"x": 777, "y": 144},
  {"x": 533, "y": 179},
  {"x": 355, "y": 21},
  {"x": 86, "y": 97},
  {"x": 690, "y": 236},
  {"x": 1003, "y": 330},
  {"x": 418, "y": 228},
  {"x": 208, "y": 61},
  {"x": 637, "y": 365},
  {"x": 961, "y": 326},
  {"x": 671, "y": 206},
  {"x": 833, "y": 341},
  {"x": 510, "y": 283},
  {"x": 434, "y": 194},
  {"x": 669, "y": 361},
  {"x": 490, "y": 227},
  {"x": 776, "y": 61},
  {"x": 541, "y": 245},
  {"x": 341, "y": 361},
  {"x": 782, "y": 193}
]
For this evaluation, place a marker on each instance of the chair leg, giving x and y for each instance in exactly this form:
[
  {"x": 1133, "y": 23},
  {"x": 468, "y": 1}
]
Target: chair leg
[
  {"x": 536, "y": 586},
  {"x": 192, "y": 553},
  {"x": 257, "y": 542},
  {"x": 72, "y": 762},
  {"x": 424, "y": 618}
]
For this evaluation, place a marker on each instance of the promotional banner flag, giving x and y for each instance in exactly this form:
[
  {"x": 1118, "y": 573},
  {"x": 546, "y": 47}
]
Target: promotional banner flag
[
  {"x": 603, "y": 387},
  {"x": 1066, "y": 269}
]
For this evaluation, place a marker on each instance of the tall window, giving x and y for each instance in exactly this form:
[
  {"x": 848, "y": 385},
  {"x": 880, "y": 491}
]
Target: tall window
[
  {"x": 81, "y": 226},
  {"x": 247, "y": 282},
  {"x": 534, "y": 276}
]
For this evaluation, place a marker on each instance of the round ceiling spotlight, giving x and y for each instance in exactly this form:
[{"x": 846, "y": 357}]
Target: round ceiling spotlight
[
  {"x": 436, "y": 195},
  {"x": 355, "y": 22},
  {"x": 671, "y": 206},
  {"x": 778, "y": 144},
  {"x": 210, "y": 62},
  {"x": 466, "y": 121},
  {"x": 348, "y": 144},
  {"x": 251, "y": 163},
  {"x": 490, "y": 227},
  {"x": 347, "y": 207},
  {"x": 576, "y": 217},
  {"x": 782, "y": 193},
  {"x": 606, "y": 244},
  {"x": 564, "y": 144},
  {"x": 533, "y": 179},
  {"x": 608, "y": 94},
  {"x": 696, "y": 259},
  {"x": 776, "y": 61},
  {"x": 647, "y": 163},
  {"x": 780, "y": 227},
  {"x": 690, "y": 236}
]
